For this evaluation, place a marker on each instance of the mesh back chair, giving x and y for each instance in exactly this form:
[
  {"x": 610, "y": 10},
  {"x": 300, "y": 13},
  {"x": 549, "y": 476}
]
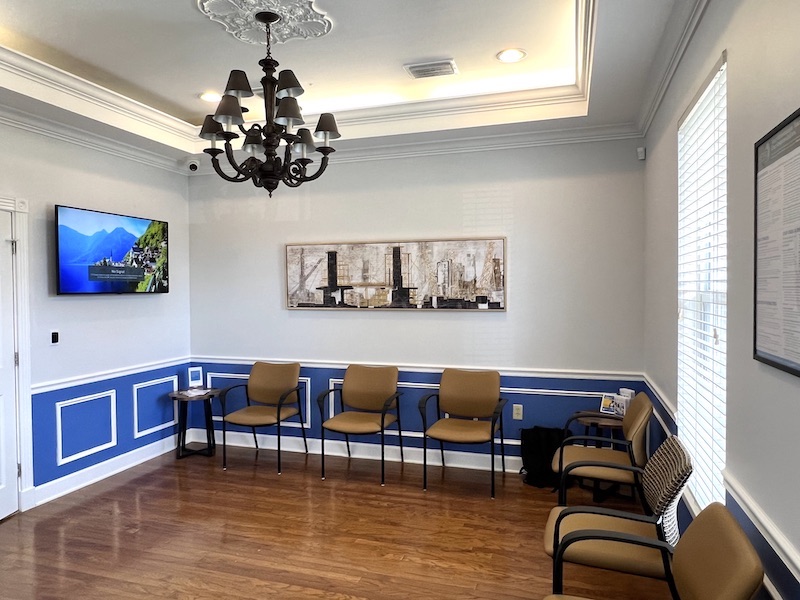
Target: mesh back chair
[
  {"x": 662, "y": 479},
  {"x": 714, "y": 559},
  {"x": 273, "y": 395},
  {"x": 474, "y": 409},
  {"x": 366, "y": 397},
  {"x": 572, "y": 460}
]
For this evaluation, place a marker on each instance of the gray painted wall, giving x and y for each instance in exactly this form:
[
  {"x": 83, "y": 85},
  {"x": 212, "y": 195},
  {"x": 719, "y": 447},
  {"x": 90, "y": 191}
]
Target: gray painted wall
[
  {"x": 763, "y": 403},
  {"x": 572, "y": 216}
]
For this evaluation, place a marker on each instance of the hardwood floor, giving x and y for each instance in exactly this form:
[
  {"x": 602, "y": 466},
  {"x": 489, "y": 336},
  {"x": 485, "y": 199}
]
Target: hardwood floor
[{"x": 189, "y": 530}]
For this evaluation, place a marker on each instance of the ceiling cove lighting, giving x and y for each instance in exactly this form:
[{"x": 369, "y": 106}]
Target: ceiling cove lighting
[{"x": 264, "y": 167}]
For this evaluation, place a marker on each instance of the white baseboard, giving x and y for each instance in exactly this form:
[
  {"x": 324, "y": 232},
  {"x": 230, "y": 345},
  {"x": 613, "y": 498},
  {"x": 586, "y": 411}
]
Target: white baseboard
[
  {"x": 782, "y": 546},
  {"x": 51, "y": 490},
  {"x": 453, "y": 458}
]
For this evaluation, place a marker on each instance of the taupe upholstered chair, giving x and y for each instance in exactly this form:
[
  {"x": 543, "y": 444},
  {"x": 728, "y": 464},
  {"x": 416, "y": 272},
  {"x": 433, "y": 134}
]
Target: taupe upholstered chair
[
  {"x": 571, "y": 459},
  {"x": 366, "y": 397},
  {"x": 272, "y": 393},
  {"x": 469, "y": 410},
  {"x": 713, "y": 560},
  {"x": 662, "y": 479}
]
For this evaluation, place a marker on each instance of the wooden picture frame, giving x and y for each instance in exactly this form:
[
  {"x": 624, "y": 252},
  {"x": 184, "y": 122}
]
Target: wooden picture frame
[{"x": 455, "y": 274}]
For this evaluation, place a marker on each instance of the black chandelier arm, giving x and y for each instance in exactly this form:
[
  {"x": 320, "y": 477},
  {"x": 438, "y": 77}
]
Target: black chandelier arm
[
  {"x": 213, "y": 152},
  {"x": 297, "y": 178}
]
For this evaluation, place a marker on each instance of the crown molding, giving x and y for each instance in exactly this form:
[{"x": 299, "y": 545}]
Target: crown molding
[
  {"x": 688, "y": 24},
  {"x": 64, "y": 132},
  {"x": 35, "y": 79}
]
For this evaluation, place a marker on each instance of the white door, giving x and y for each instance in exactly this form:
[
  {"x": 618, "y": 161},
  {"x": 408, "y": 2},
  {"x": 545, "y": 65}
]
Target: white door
[{"x": 9, "y": 497}]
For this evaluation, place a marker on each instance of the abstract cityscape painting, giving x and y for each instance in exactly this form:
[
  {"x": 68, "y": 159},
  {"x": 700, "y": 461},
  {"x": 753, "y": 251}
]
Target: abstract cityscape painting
[{"x": 416, "y": 275}]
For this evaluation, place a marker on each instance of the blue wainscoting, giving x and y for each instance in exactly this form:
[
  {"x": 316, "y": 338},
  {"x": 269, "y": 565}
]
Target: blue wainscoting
[
  {"x": 546, "y": 401},
  {"x": 79, "y": 426}
]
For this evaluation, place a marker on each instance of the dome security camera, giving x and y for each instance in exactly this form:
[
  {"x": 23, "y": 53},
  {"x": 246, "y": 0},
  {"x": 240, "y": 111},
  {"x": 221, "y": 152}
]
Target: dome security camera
[{"x": 194, "y": 165}]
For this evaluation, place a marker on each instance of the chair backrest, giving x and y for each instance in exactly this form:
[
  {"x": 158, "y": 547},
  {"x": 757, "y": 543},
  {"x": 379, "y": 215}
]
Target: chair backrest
[
  {"x": 714, "y": 559},
  {"x": 665, "y": 475},
  {"x": 268, "y": 381},
  {"x": 634, "y": 426},
  {"x": 471, "y": 394},
  {"x": 367, "y": 388}
]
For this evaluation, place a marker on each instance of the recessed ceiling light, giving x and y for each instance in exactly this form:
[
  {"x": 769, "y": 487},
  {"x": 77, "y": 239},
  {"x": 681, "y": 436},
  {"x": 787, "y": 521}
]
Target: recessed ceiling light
[
  {"x": 210, "y": 97},
  {"x": 511, "y": 55}
]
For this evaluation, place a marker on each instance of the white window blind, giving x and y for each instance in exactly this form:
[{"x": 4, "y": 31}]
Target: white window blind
[{"x": 702, "y": 287}]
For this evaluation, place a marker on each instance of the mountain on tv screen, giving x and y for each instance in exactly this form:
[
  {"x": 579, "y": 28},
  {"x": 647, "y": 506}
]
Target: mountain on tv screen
[{"x": 105, "y": 253}]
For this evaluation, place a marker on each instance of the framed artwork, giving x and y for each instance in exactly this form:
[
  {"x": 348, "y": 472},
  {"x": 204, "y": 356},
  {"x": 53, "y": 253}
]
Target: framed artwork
[{"x": 462, "y": 274}]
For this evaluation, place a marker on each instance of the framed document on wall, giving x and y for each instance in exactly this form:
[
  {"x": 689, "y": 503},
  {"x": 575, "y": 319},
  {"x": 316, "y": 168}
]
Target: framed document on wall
[{"x": 776, "y": 322}]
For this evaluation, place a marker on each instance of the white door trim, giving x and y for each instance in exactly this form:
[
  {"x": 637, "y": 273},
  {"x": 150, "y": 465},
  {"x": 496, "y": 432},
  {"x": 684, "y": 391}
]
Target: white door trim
[{"x": 19, "y": 227}]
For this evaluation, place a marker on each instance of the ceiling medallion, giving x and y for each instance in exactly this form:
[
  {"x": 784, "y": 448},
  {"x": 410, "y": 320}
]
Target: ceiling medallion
[{"x": 299, "y": 19}]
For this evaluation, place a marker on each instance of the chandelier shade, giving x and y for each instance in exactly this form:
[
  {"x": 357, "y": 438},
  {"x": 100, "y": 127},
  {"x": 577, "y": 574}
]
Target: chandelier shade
[
  {"x": 264, "y": 167},
  {"x": 238, "y": 85},
  {"x": 306, "y": 145},
  {"x": 211, "y": 130},
  {"x": 288, "y": 85},
  {"x": 229, "y": 111},
  {"x": 326, "y": 128},
  {"x": 289, "y": 112}
]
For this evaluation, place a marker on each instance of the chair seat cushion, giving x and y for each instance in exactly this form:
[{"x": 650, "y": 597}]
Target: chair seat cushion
[
  {"x": 357, "y": 423},
  {"x": 260, "y": 415},
  {"x": 573, "y": 454},
  {"x": 616, "y": 556},
  {"x": 461, "y": 431}
]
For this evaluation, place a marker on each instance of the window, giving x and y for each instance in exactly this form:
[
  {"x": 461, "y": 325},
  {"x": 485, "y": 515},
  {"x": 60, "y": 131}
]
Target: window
[{"x": 702, "y": 286}]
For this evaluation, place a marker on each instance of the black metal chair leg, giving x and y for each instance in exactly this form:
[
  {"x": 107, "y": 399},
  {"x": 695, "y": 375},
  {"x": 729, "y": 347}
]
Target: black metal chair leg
[
  {"x": 441, "y": 449},
  {"x": 492, "y": 444},
  {"x": 347, "y": 441},
  {"x": 383, "y": 470},
  {"x": 322, "y": 450},
  {"x": 224, "y": 446},
  {"x": 279, "y": 447},
  {"x": 302, "y": 427},
  {"x": 502, "y": 445},
  {"x": 424, "y": 462},
  {"x": 400, "y": 435}
]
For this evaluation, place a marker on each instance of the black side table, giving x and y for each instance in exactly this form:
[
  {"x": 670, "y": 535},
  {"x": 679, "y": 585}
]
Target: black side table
[{"x": 184, "y": 397}]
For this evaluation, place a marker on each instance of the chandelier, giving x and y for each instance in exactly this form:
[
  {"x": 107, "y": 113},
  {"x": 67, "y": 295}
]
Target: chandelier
[{"x": 264, "y": 167}]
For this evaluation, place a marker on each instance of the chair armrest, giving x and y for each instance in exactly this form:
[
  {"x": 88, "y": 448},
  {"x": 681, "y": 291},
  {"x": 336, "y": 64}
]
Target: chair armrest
[
  {"x": 595, "y": 438},
  {"x": 564, "y": 473},
  {"x": 223, "y": 395},
  {"x": 389, "y": 401},
  {"x": 285, "y": 395},
  {"x": 606, "y": 465},
  {"x": 498, "y": 410},
  {"x": 601, "y": 511},
  {"x": 288, "y": 393},
  {"x": 587, "y": 438},
  {"x": 423, "y": 405},
  {"x": 321, "y": 399},
  {"x": 610, "y": 536},
  {"x": 591, "y": 414}
]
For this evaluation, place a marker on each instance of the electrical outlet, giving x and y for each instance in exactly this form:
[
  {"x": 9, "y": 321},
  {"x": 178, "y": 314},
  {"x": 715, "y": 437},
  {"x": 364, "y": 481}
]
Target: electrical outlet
[{"x": 517, "y": 412}]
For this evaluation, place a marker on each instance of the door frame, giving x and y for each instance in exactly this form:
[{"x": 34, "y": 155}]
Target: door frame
[{"x": 21, "y": 282}]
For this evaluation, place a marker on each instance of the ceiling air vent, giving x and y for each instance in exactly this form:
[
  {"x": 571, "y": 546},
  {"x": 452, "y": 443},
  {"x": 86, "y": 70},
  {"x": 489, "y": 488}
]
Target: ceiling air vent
[{"x": 432, "y": 69}]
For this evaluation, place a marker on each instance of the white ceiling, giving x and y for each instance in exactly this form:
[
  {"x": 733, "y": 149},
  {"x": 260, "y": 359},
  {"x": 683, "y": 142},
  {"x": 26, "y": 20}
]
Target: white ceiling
[{"x": 132, "y": 71}]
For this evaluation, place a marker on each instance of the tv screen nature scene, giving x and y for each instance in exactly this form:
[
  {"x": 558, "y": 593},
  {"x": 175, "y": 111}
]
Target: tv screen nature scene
[{"x": 106, "y": 253}]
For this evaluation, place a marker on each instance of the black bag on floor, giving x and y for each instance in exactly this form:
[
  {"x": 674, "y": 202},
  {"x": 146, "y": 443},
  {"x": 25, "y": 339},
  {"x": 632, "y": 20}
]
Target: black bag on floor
[{"x": 538, "y": 445}]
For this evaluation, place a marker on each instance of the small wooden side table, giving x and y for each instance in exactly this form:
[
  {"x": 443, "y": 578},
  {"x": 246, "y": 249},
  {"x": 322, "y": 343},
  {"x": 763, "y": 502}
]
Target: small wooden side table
[{"x": 184, "y": 397}]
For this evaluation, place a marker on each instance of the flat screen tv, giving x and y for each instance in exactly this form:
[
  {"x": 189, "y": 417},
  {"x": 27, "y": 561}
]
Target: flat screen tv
[{"x": 105, "y": 253}]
